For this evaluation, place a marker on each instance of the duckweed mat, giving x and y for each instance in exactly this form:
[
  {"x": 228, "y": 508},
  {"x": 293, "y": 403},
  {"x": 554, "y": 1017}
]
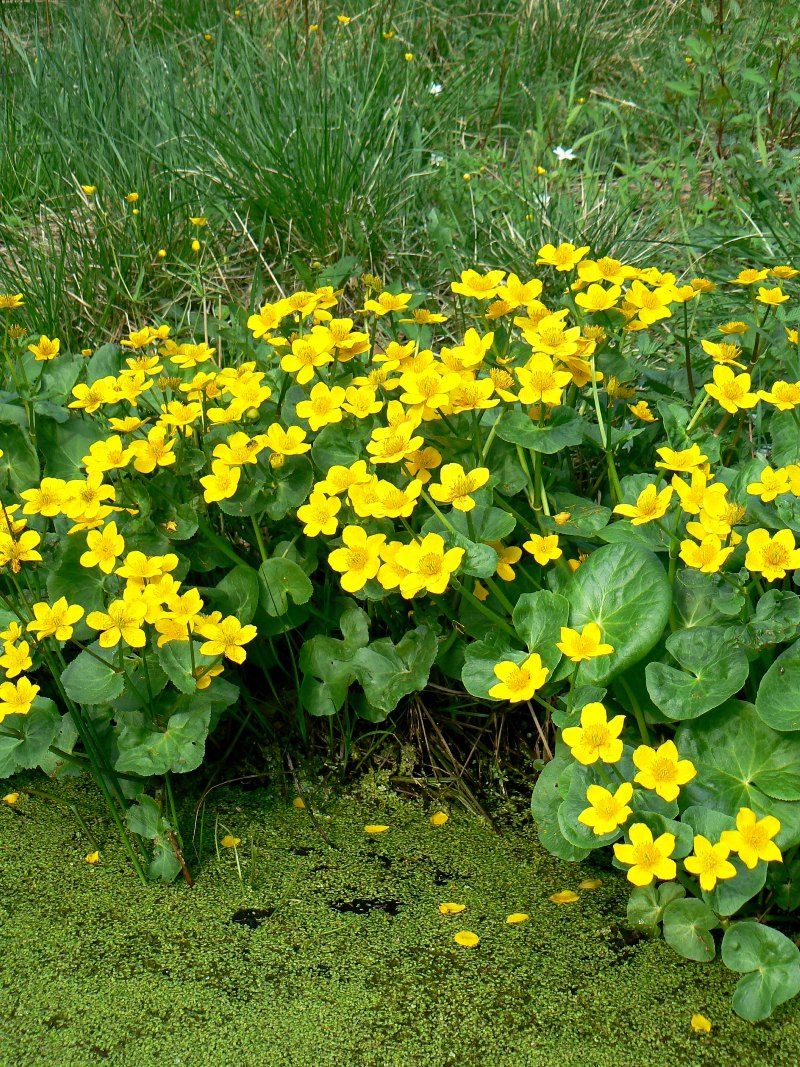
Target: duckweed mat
[{"x": 307, "y": 954}]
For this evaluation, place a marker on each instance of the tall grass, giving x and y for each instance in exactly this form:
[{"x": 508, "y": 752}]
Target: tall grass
[{"x": 305, "y": 145}]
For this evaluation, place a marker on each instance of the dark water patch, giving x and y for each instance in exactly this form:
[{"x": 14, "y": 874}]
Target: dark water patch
[
  {"x": 251, "y": 917},
  {"x": 365, "y": 905}
]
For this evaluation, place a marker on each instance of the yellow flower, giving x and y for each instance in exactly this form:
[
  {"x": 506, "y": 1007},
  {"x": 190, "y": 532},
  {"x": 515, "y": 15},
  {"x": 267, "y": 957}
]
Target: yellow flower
[
  {"x": 596, "y": 298},
  {"x": 15, "y": 658},
  {"x": 439, "y": 818},
  {"x": 290, "y": 442},
  {"x": 56, "y": 621},
  {"x": 308, "y": 353},
  {"x": 10, "y": 301},
  {"x": 752, "y": 838},
  {"x": 689, "y": 459},
  {"x": 731, "y": 391},
  {"x": 467, "y": 939},
  {"x": 229, "y": 841},
  {"x": 596, "y": 738},
  {"x": 198, "y": 220},
  {"x": 131, "y": 197},
  {"x": 771, "y": 484},
  {"x": 89, "y": 190},
  {"x": 662, "y": 770},
  {"x": 722, "y": 352},
  {"x": 16, "y": 698},
  {"x": 222, "y": 483},
  {"x": 392, "y": 444},
  {"x": 564, "y": 257},
  {"x": 16, "y": 551},
  {"x": 771, "y": 556},
  {"x": 784, "y": 395},
  {"x": 46, "y": 348},
  {"x": 749, "y": 276},
  {"x": 650, "y": 505},
  {"x": 103, "y": 548},
  {"x": 543, "y": 548},
  {"x": 456, "y": 485},
  {"x": 359, "y": 559},
  {"x": 648, "y": 859},
  {"x": 650, "y": 305},
  {"x": 700, "y": 1024},
  {"x": 122, "y": 622},
  {"x": 607, "y": 810},
  {"x": 387, "y": 303},
  {"x": 343, "y": 19},
  {"x": 709, "y": 862},
  {"x": 565, "y": 896},
  {"x": 226, "y": 637},
  {"x": 642, "y": 411},
  {"x": 479, "y": 286},
  {"x": 708, "y": 556},
  {"x": 540, "y": 382},
  {"x": 519, "y": 681},
  {"x": 323, "y": 406},
  {"x": 771, "y": 297},
  {"x": 604, "y": 270},
  {"x": 507, "y": 556},
  {"x": 450, "y": 908},
  {"x": 428, "y": 565},
  {"x": 319, "y": 515},
  {"x": 156, "y": 450},
  {"x": 587, "y": 644},
  {"x": 46, "y": 499},
  {"x": 196, "y": 246}
]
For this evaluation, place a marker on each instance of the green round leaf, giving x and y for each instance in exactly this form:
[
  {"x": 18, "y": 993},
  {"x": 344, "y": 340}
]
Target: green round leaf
[
  {"x": 712, "y": 671},
  {"x": 687, "y": 926},
  {"x": 538, "y": 618},
  {"x": 625, "y": 590},
  {"x": 778, "y": 699},
  {"x": 563, "y": 429}
]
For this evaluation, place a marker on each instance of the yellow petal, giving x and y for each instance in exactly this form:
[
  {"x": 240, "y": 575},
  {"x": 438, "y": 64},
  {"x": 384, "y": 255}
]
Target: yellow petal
[
  {"x": 565, "y": 896},
  {"x": 590, "y": 883},
  {"x": 93, "y": 857},
  {"x": 448, "y": 908},
  {"x": 298, "y": 803},
  {"x": 11, "y": 799},
  {"x": 439, "y": 818},
  {"x": 229, "y": 841},
  {"x": 466, "y": 939},
  {"x": 701, "y": 1025},
  {"x": 517, "y": 917},
  {"x": 375, "y": 828}
]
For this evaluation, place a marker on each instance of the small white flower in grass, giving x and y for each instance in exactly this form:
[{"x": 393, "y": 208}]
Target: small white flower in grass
[
  {"x": 435, "y": 89},
  {"x": 563, "y": 153}
]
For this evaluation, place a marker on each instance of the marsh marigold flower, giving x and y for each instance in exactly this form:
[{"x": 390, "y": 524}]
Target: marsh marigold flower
[
  {"x": 56, "y": 621},
  {"x": 650, "y": 505},
  {"x": 359, "y": 559},
  {"x": 709, "y": 862},
  {"x": 429, "y": 565},
  {"x": 588, "y": 644},
  {"x": 731, "y": 391},
  {"x": 662, "y": 770},
  {"x": 456, "y": 486},
  {"x": 597, "y": 737},
  {"x": 752, "y": 838},
  {"x": 479, "y": 286},
  {"x": 45, "y": 349},
  {"x": 606, "y": 810},
  {"x": 647, "y": 859},
  {"x": 771, "y": 556},
  {"x": 544, "y": 548},
  {"x": 16, "y": 698},
  {"x": 518, "y": 681}
]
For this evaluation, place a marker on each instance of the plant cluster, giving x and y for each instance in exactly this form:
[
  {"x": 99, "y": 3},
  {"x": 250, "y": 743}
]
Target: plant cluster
[{"x": 577, "y": 493}]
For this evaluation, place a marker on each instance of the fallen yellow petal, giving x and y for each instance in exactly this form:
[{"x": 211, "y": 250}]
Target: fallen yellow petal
[
  {"x": 375, "y": 828},
  {"x": 517, "y": 917},
  {"x": 701, "y": 1025},
  {"x": 566, "y": 896},
  {"x": 439, "y": 818},
  {"x": 449, "y": 908},
  {"x": 11, "y": 799},
  {"x": 467, "y": 939},
  {"x": 228, "y": 841},
  {"x": 93, "y": 857},
  {"x": 298, "y": 803},
  {"x": 590, "y": 883}
]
